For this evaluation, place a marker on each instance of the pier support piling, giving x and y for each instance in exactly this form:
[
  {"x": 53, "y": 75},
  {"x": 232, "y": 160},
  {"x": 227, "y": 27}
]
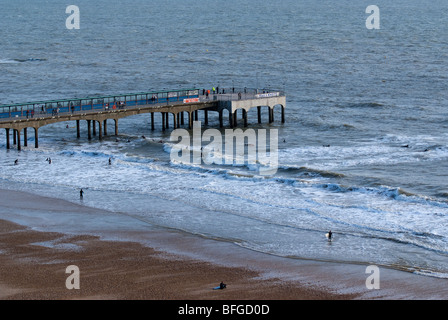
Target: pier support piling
[
  {"x": 89, "y": 133},
  {"x": 283, "y": 114},
  {"x": 116, "y": 127},
  {"x": 7, "y": 139},
  {"x": 100, "y": 130},
  {"x": 174, "y": 121},
  {"x": 231, "y": 123},
  {"x": 105, "y": 127},
  {"x": 19, "y": 147},
  {"x": 25, "y": 137},
  {"x": 36, "y": 138},
  {"x": 221, "y": 123}
]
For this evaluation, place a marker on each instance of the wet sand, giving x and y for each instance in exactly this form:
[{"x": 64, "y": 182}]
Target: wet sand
[
  {"x": 122, "y": 270},
  {"x": 36, "y": 250}
]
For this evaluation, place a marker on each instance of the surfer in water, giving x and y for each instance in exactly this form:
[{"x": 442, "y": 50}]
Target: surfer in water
[{"x": 329, "y": 235}]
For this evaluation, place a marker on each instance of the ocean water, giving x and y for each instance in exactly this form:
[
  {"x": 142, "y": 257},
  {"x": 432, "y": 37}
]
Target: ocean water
[{"x": 363, "y": 151}]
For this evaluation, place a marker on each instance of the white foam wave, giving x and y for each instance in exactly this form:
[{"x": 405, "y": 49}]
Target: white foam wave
[
  {"x": 282, "y": 206},
  {"x": 8, "y": 61},
  {"x": 434, "y": 274},
  {"x": 369, "y": 154}
]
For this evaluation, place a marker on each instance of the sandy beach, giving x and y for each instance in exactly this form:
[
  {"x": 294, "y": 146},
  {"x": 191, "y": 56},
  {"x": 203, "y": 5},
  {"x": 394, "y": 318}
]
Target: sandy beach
[
  {"x": 34, "y": 261},
  {"x": 122, "y": 270},
  {"x": 34, "y": 266}
]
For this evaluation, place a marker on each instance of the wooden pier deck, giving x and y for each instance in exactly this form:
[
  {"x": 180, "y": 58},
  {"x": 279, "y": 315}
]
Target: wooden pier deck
[{"x": 98, "y": 110}]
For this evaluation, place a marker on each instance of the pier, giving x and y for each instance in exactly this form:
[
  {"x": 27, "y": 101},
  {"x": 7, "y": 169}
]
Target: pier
[{"x": 175, "y": 104}]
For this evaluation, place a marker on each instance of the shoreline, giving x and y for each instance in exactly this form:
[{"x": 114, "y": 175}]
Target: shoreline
[
  {"x": 115, "y": 270},
  {"x": 126, "y": 259}
]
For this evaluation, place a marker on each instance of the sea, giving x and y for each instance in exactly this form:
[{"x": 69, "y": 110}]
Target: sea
[{"x": 363, "y": 151}]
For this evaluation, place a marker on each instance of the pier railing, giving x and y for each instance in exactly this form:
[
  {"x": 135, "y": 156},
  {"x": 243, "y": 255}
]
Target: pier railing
[{"x": 53, "y": 108}]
